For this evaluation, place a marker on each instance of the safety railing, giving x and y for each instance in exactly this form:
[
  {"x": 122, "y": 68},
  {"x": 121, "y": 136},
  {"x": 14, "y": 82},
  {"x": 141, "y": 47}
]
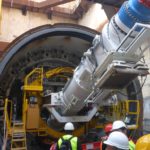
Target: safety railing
[
  {"x": 128, "y": 111},
  {"x": 8, "y": 117},
  {"x": 33, "y": 81}
]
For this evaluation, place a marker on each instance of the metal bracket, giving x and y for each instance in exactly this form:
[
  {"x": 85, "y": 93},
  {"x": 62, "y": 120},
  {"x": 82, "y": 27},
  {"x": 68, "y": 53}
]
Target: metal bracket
[
  {"x": 63, "y": 119},
  {"x": 132, "y": 48}
]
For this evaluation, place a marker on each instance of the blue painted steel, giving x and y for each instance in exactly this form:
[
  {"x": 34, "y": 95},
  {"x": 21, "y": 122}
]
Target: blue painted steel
[{"x": 133, "y": 11}]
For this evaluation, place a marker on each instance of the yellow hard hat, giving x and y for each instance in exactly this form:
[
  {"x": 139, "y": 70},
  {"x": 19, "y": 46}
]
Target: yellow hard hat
[{"x": 143, "y": 143}]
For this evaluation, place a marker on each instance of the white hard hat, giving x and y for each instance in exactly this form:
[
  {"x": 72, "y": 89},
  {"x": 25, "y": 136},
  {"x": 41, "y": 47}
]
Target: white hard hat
[
  {"x": 118, "y": 124},
  {"x": 118, "y": 139},
  {"x": 69, "y": 126}
]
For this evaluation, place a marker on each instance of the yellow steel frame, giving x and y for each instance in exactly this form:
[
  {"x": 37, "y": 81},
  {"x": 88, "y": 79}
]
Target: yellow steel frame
[
  {"x": 8, "y": 117},
  {"x": 57, "y": 71},
  {"x": 33, "y": 86},
  {"x": 33, "y": 81},
  {"x": 121, "y": 110},
  {"x": 24, "y": 112},
  {"x": 137, "y": 112}
]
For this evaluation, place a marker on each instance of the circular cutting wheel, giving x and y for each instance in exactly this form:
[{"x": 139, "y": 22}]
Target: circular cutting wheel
[{"x": 49, "y": 47}]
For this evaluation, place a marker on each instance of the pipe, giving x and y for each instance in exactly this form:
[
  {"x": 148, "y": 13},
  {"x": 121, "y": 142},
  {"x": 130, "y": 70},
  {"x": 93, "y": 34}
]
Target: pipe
[
  {"x": 131, "y": 12},
  {"x": 113, "y": 33}
]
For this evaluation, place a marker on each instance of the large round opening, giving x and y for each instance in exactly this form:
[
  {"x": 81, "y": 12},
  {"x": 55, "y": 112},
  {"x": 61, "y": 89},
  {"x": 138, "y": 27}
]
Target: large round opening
[{"x": 60, "y": 45}]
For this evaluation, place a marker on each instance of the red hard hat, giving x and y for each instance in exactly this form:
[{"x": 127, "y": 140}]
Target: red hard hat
[{"x": 108, "y": 128}]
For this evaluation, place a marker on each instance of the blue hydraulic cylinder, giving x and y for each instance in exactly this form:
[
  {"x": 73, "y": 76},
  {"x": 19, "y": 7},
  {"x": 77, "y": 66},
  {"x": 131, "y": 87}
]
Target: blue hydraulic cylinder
[
  {"x": 134, "y": 11},
  {"x": 131, "y": 12}
]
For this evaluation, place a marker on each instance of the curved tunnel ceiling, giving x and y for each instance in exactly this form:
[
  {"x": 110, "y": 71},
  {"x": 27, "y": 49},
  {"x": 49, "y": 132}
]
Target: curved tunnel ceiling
[{"x": 48, "y": 46}]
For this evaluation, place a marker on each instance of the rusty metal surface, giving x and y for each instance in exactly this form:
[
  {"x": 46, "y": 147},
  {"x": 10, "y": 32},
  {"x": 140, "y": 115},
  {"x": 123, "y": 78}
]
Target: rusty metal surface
[
  {"x": 43, "y": 4},
  {"x": 51, "y": 7}
]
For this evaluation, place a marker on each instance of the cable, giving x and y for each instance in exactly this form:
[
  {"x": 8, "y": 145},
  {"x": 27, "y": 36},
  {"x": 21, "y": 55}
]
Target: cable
[
  {"x": 143, "y": 60},
  {"x": 148, "y": 46},
  {"x": 141, "y": 86}
]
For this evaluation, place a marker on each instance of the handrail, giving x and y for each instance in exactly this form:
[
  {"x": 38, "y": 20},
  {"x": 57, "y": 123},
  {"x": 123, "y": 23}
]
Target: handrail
[{"x": 8, "y": 123}]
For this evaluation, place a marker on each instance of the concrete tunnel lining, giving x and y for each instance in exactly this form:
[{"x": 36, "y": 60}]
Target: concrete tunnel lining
[
  {"x": 80, "y": 32},
  {"x": 64, "y": 30}
]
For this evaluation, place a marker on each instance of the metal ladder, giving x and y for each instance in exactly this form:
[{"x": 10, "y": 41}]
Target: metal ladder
[{"x": 18, "y": 141}]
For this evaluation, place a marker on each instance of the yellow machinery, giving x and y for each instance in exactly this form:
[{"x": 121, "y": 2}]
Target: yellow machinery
[
  {"x": 33, "y": 89},
  {"x": 33, "y": 103},
  {"x": 100, "y": 86},
  {"x": 123, "y": 110}
]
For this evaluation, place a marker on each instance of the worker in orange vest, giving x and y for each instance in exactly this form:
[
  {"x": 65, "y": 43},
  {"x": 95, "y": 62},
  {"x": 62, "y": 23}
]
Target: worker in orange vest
[{"x": 107, "y": 130}]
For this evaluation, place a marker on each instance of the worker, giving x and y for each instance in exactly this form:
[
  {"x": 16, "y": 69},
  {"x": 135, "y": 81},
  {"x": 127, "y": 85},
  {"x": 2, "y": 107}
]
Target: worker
[
  {"x": 117, "y": 141},
  {"x": 119, "y": 125},
  {"x": 143, "y": 143},
  {"x": 53, "y": 146},
  {"x": 68, "y": 141},
  {"x": 107, "y": 129}
]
